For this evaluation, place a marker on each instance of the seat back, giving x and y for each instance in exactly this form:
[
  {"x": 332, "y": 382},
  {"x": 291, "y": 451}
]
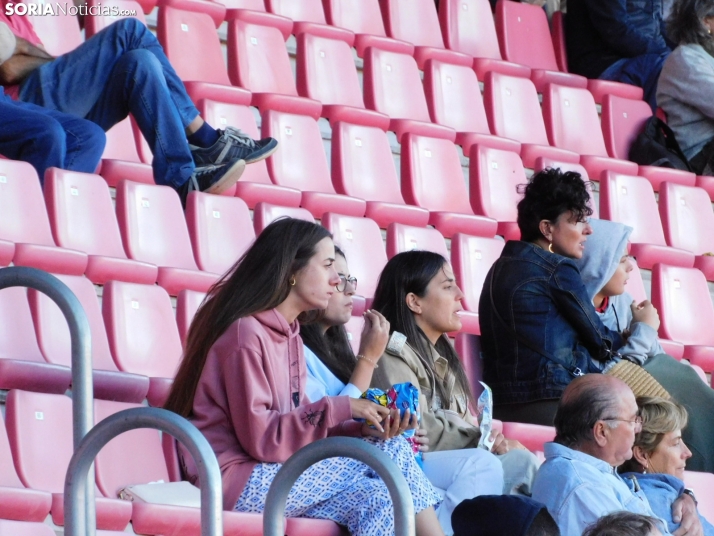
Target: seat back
[
  {"x": 544, "y": 162},
  {"x": 359, "y": 16},
  {"x": 121, "y": 144},
  {"x": 472, "y": 258},
  {"x": 96, "y": 23},
  {"x": 524, "y": 35},
  {"x": 265, "y": 213},
  {"x": 23, "y": 528},
  {"x": 622, "y": 121},
  {"x": 468, "y": 27},
  {"x": 187, "y": 303},
  {"x": 59, "y": 32},
  {"x": 432, "y": 177},
  {"x": 141, "y": 329},
  {"x": 17, "y": 333},
  {"x": 702, "y": 484},
  {"x": 681, "y": 296},
  {"x": 558, "y": 33},
  {"x": 454, "y": 97},
  {"x": 687, "y": 217},
  {"x": 402, "y": 237},
  {"x": 494, "y": 179},
  {"x": 414, "y": 21},
  {"x": 302, "y": 10},
  {"x": 8, "y": 475},
  {"x": 468, "y": 347},
  {"x": 253, "y": 5}
]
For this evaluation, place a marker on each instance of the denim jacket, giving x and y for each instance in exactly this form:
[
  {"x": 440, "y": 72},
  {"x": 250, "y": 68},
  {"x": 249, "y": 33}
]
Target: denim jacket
[{"x": 541, "y": 296}]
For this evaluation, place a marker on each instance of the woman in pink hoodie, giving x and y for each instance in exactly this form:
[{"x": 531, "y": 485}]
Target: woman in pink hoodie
[{"x": 242, "y": 383}]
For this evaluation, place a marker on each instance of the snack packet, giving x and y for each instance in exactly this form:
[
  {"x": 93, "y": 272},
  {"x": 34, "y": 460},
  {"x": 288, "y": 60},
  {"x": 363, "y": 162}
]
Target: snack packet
[{"x": 485, "y": 410}]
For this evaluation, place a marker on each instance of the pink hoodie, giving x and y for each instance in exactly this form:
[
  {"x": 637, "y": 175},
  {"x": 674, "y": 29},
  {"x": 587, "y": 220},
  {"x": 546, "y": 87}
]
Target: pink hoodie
[{"x": 245, "y": 403}]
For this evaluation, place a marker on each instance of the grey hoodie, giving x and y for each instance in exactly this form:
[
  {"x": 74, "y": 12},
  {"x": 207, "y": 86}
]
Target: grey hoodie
[{"x": 603, "y": 251}]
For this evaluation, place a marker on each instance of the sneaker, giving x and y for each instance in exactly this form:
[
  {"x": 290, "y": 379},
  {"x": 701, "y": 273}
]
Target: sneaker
[
  {"x": 233, "y": 144},
  {"x": 212, "y": 179}
]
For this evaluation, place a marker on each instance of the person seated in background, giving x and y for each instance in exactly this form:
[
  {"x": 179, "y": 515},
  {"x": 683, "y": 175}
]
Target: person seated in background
[
  {"x": 621, "y": 40},
  {"x": 123, "y": 70},
  {"x": 498, "y": 515},
  {"x": 44, "y": 138},
  {"x": 595, "y": 426},
  {"x": 660, "y": 456},
  {"x": 624, "y": 524},
  {"x": 687, "y": 82}
]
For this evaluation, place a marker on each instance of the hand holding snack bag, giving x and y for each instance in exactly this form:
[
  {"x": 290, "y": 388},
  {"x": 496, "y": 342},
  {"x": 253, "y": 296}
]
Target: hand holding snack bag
[{"x": 485, "y": 409}]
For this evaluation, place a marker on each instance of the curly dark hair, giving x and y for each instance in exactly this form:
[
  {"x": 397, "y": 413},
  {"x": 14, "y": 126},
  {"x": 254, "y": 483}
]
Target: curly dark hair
[
  {"x": 685, "y": 26},
  {"x": 549, "y": 194}
]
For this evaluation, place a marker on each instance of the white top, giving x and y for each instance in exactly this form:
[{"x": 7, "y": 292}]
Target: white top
[
  {"x": 321, "y": 382},
  {"x": 7, "y": 42}
]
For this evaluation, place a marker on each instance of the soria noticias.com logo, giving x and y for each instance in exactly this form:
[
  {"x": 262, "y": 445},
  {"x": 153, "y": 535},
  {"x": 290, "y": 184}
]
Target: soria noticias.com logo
[{"x": 56, "y": 9}]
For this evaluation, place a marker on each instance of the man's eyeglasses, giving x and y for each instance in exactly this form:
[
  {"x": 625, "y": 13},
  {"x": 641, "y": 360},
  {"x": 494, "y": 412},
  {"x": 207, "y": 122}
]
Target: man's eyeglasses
[
  {"x": 637, "y": 421},
  {"x": 342, "y": 285}
]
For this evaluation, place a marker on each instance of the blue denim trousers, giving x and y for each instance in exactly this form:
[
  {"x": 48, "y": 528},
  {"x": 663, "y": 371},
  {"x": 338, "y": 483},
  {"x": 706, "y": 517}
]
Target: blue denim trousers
[
  {"x": 48, "y": 138},
  {"x": 122, "y": 70},
  {"x": 642, "y": 71}
]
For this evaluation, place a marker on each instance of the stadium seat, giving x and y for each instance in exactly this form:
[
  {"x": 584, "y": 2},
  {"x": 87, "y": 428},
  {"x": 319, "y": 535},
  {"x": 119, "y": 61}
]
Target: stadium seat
[
  {"x": 392, "y": 86},
  {"x": 468, "y": 347},
  {"x": 454, "y": 99},
  {"x": 472, "y": 258},
  {"x": 23, "y": 528},
  {"x": 308, "y": 17},
  {"x": 187, "y": 304},
  {"x": 326, "y": 72},
  {"x": 531, "y": 436},
  {"x": 96, "y": 23},
  {"x": 572, "y": 123},
  {"x": 142, "y": 333},
  {"x": 686, "y": 313},
  {"x": 265, "y": 213},
  {"x": 658, "y": 175},
  {"x": 59, "y": 33},
  {"x": 82, "y": 216},
  {"x": 544, "y": 163},
  {"x": 468, "y": 27},
  {"x": 39, "y": 428},
  {"x": 688, "y": 220},
  {"x": 363, "y": 167},
  {"x": 121, "y": 159},
  {"x": 494, "y": 176},
  {"x": 220, "y": 229},
  {"x": 402, "y": 237},
  {"x": 702, "y": 484},
  {"x": 416, "y": 21},
  {"x": 432, "y": 178},
  {"x": 301, "y": 163},
  {"x": 55, "y": 342},
  {"x": 513, "y": 111},
  {"x": 154, "y": 230},
  {"x": 631, "y": 200},
  {"x": 707, "y": 183}
]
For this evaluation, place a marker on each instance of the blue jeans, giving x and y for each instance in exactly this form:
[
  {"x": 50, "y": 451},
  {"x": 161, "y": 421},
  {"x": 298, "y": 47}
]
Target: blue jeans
[
  {"x": 642, "y": 71},
  {"x": 122, "y": 70},
  {"x": 47, "y": 138}
]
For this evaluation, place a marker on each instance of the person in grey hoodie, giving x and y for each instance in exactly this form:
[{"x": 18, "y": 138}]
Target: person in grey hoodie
[{"x": 604, "y": 268}]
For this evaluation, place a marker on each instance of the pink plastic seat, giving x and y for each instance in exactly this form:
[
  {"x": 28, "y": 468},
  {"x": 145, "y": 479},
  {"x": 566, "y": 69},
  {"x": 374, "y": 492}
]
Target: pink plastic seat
[
  {"x": 363, "y": 167},
  {"x": 265, "y": 213},
  {"x": 468, "y": 27},
  {"x": 630, "y": 200},
  {"x": 468, "y": 347},
  {"x": 301, "y": 163},
  {"x": 687, "y": 220},
  {"x": 187, "y": 304},
  {"x": 308, "y": 17},
  {"x": 702, "y": 484},
  {"x": 82, "y": 216},
  {"x": 142, "y": 333},
  {"x": 326, "y": 72},
  {"x": 121, "y": 158},
  {"x": 513, "y": 112},
  {"x": 23, "y": 528},
  {"x": 531, "y": 436},
  {"x": 472, "y": 258},
  {"x": 96, "y": 23},
  {"x": 707, "y": 183},
  {"x": 25, "y": 236},
  {"x": 154, "y": 230},
  {"x": 39, "y": 428},
  {"x": 454, "y": 99},
  {"x": 659, "y": 175},
  {"x": 392, "y": 86},
  {"x": 432, "y": 178},
  {"x": 494, "y": 176},
  {"x": 572, "y": 123},
  {"x": 402, "y": 237},
  {"x": 59, "y": 33},
  {"x": 544, "y": 163},
  {"x": 681, "y": 296}
]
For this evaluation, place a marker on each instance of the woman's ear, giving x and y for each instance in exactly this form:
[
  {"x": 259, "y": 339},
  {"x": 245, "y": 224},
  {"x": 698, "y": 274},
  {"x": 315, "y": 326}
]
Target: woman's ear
[
  {"x": 546, "y": 229},
  {"x": 640, "y": 456},
  {"x": 414, "y": 303}
]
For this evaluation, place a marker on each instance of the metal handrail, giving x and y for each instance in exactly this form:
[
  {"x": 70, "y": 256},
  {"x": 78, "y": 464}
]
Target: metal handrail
[{"x": 349, "y": 447}]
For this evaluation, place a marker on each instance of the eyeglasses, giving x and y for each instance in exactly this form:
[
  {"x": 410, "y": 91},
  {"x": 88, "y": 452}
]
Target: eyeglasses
[
  {"x": 342, "y": 285},
  {"x": 637, "y": 421}
]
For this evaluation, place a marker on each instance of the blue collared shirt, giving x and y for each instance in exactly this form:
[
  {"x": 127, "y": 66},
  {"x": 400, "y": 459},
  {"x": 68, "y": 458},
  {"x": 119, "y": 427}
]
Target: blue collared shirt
[
  {"x": 578, "y": 489},
  {"x": 321, "y": 382}
]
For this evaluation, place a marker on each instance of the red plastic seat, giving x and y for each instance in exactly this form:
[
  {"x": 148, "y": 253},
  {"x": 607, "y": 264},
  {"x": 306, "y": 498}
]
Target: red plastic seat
[
  {"x": 402, "y": 237},
  {"x": 392, "y": 86},
  {"x": 513, "y": 111},
  {"x": 96, "y": 23},
  {"x": 142, "y": 333},
  {"x": 702, "y": 484},
  {"x": 468, "y": 347},
  {"x": 25, "y": 236},
  {"x": 301, "y": 163},
  {"x": 494, "y": 176},
  {"x": 543, "y": 163},
  {"x": 55, "y": 342},
  {"x": 363, "y": 167},
  {"x": 432, "y": 178},
  {"x": 472, "y": 258},
  {"x": 39, "y": 428},
  {"x": 468, "y": 27},
  {"x": 681, "y": 296},
  {"x": 572, "y": 123},
  {"x": 531, "y": 436},
  {"x": 187, "y": 304},
  {"x": 154, "y": 230},
  {"x": 326, "y": 72},
  {"x": 454, "y": 99},
  {"x": 82, "y": 216},
  {"x": 121, "y": 159},
  {"x": 265, "y": 213},
  {"x": 59, "y": 33},
  {"x": 630, "y": 200}
]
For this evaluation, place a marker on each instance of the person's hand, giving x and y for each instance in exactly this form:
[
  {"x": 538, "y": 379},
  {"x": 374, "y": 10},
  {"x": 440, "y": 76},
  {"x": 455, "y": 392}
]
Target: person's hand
[
  {"x": 421, "y": 439},
  {"x": 684, "y": 509},
  {"x": 368, "y": 410},
  {"x": 501, "y": 445},
  {"x": 392, "y": 426},
  {"x": 645, "y": 312},
  {"x": 375, "y": 335}
]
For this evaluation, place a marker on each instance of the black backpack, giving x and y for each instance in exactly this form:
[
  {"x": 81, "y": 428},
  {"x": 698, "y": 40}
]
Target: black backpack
[{"x": 657, "y": 146}]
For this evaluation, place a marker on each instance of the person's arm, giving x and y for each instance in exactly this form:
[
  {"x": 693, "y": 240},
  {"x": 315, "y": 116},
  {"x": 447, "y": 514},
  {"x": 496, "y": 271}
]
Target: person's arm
[
  {"x": 689, "y": 79},
  {"x": 684, "y": 511}
]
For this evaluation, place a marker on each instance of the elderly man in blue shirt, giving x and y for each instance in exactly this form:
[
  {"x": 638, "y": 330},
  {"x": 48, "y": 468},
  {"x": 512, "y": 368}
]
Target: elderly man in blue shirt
[{"x": 596, "y": 423}]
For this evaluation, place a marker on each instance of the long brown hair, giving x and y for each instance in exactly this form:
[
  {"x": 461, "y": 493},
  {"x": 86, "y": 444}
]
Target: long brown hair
[{"x": 259, "y": 281}]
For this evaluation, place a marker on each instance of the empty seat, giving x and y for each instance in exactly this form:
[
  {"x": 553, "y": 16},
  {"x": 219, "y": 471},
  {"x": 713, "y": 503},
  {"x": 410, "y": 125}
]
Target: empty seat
[
  {"x": 432, "y": 178},
  {"x": 23, "y": 528},
  {"x": 142, "y": 334},
  {"x": 631, "y": 200},
  {"x": 392, "y": 86},
  {"x": 681, "y": 296},
  {"x": 531, "y": 436},
  {"x": 402, "y": 237},
  {"x": 120, "y": 159},
  {"x": 363, "y": 167},
  {"x": 59, "y": 33},
  {"x": 658, "y": 175},
  {"x": 154, "y": 230},
  {"x": 707, "y": 183},
  {"x": 187, "y": 304},
  {"x": 544, "y": 163},
  {"x": 82, "y": 216},
  {"x": 103, "y": 18},
  {"x": 308, "y": 17},
  {"x": 513, "y": 111},
  {"x": 265, "y": 213},
  {"x": 301, "y": 163},
  {"x": 468, "y": 347}
]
